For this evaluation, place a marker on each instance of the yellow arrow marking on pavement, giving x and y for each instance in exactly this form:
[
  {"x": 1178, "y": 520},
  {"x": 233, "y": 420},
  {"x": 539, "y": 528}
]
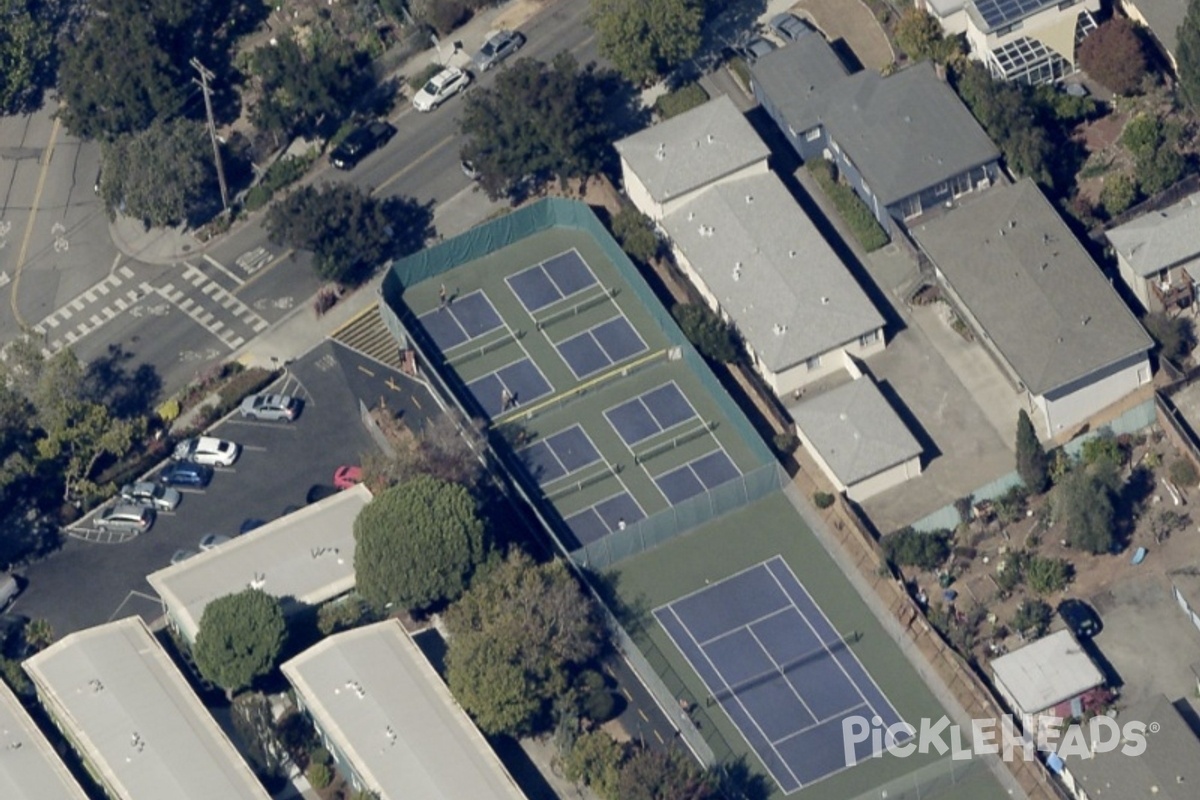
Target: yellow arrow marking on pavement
[
  {"x": 33, "y": 208},
  {"x": 391, "y": 384}
]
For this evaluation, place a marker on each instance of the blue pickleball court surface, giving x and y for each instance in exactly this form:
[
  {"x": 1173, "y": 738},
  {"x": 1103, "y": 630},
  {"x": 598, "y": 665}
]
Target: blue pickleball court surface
[
  {"x": 552, "y": 280},
  {"x": 461, "y": 320},
  {"x": 775, "y": 664}
]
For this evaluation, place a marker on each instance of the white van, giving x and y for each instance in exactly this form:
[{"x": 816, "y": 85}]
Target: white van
[{"x": 8, "y": 590}]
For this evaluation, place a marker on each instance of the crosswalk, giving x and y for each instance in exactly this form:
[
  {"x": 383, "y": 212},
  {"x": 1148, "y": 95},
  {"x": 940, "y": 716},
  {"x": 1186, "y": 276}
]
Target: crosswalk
[
  {"x": 215, "y": 309},
  {"x": 88, "y": 311}
]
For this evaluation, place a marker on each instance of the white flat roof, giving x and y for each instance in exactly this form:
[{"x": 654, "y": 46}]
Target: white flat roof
[
  {"x": 1044, "y": 673},
  {"x": 29, "y": 767},
  {"x": 134, "y": 718},
  {"x": 380, "y": 703},
  {"x": 305, "y": 557}
]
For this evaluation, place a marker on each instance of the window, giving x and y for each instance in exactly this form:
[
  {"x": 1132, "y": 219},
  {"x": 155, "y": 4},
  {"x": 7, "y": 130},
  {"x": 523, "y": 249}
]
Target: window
[
  {"x": 813, "y": 363},
  {"x": 812, "y": 135},
  {"x": 868, "y": 338},
  {"x": 942, "y": 188}
]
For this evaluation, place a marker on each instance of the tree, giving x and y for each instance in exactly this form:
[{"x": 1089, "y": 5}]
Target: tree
[
  {"x": 303, "y": 86},
  {"x": 417, "y": 544},
  {"x": 1113, "y": 55},
  {"x": 1118, "y": 194},
  {"x": 662, "y": 775},
  {"x": 1047, "y": 575},
  {"x": 1033, "y": 616},
  {"x": 350, "y": 233},
  {"x": 635, "y": 232},
  {"x": 515, "y": 637},
  {"x": 26, "y": 52},
  {"x": 1031, "y": 456},
  {"x": 239, "y": 638},
  {"x": 594, "y": 759},
  {"x": 708, "y": 333},
  {"x": 1008, "y": 114},
  {"x": 1187, "y": 55},
  {"x": 1084, "y": 505},
  {"x": 647, "y": 38},
  {"x": 536, "y": 122},
  {"x": 39, "y": 634},
  {"x": 920, "y": 36},
  {"x": 449, "y": 447},
  {"x": 908, "y": 547},
  {"x": 1174, "y": 335},
  {"x": 136, "y": 166}
]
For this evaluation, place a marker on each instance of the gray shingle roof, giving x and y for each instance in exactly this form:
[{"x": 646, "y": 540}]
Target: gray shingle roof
[
  {"x": 1160, "y": 239},
  {"x": 693, "y": 149},
  {"x": 1039, "y": 296},
  {"x": 904, "y": 133},
  {"x": 796, "y": 78},
  {"x": 1163, "y": 18},
  {"x": 855, "y": 430},
  {"x": 29, "y": 767},
  {"x": 793, "y": 298},
  {"x": 1169, "y": 769}
]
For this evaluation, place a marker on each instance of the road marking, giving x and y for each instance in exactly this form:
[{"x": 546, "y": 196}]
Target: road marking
[
  {"x": 77, "y": 304},
  {"x": 220, "y": 266},
  {"x": 259, "y": 272},
  {"x": 90, "y": 295},
  {"x": 125, "y": 272},
  {"x": 659, "y": 737},
  {"x": 412, "y": 165},
  {"x": 33, "y": 209},
  {"x": 52, "y": 322},
  {"x": 391, "y": 384},
  {"x": 361, "y": 368}
]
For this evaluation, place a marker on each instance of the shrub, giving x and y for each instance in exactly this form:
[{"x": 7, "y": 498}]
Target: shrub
[
  {"x": 1103, "y": 448},
  {"x": 866, "y": 229},
  {"x": 907, "y": 547},
  {"x": 243, "y": 384},
  {"x": 1032, "y": 615},
  {"x": 785, "y": 442},
  {"x": 1113, "y": 55},
  {"x": 823, "y": 499},
  {"x": 710, "y": 334},
  {"x": 338, "y": 615},
  {"x": 319, "y": 775},
  {"x": 1011, "y": 571},
  {"x": 257, "y": 197},
  {"x": 1047, "y": 575},
  {"x": 1173, "y": 335},
  {"x": 1118, "y": 194},
  {"x": 421, "y": 78},
  {"x": 1182, "y": 473},
  {"x": 685, "y": 98},
  {"x": 285, "y": 171},
  {"x": 168, "y": 411},
  {"x": 634, "y": 231},
  {"x": 596, "y": 701}
]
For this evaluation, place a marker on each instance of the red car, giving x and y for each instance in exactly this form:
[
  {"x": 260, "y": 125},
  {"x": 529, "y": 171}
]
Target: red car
[{"x": 347, "y": 476}]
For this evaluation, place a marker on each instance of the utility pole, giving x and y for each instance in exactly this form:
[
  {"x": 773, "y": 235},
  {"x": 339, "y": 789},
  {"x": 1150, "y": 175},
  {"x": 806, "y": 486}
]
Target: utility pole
[{"x": 205, "y": 77}]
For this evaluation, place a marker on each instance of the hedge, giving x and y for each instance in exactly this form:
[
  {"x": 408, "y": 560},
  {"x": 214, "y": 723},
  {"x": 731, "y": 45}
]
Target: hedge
[
  {"x": 866, "y": 229},
  {"x": 685, "y": 98}
]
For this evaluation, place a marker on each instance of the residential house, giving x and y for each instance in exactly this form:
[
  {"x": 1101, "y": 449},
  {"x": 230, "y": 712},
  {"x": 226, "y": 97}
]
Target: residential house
[
  {"x": 1031, "y": 41},
  {"x": 1038, "y": 302},
  {"x": 389, "y": 721},
  {"x": 1162, "y": 18},
  {"x": 304, "y": 558},
  {"x": 30, "y": 769},
  {"x": 1155, "y": 252},
  {"x": 1050, "y": 677},
  {"x": 905, "y": 142},
  {"x": 667, "y": 164},
  {"x": 1168, "y": 768},
  {"x": 857, "y": 439},
  {"x": 141, "y": 731}
]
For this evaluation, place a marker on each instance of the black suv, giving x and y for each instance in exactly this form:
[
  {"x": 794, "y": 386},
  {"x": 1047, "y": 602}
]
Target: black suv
[
  {"x": 1081, "y": 618},
  {"x": 360, "y": 143}
]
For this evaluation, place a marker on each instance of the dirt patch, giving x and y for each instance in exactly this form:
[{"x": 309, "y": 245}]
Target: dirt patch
[{"x": 853, "y": 22}]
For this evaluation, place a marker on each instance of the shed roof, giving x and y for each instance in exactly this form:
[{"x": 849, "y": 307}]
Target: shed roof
[
  {"x": 305, "y": 557},
  {"x": 771, "y": 270},
  {"x": 1029, "y": 283},
  {"x": 1047, "y": 672},
  {"x": 1160, "y": 239},
  {"x": 692, "y": 149},
  {"x": 135, "y": 719},
  {"x": 376, "y": 697},
  {"x": 855, "y": 430},
  {"x": 29, "y": 767}
]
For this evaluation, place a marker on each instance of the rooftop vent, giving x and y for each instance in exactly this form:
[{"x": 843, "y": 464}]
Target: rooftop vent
[
  {"x": 259, "y": 580},
  {"x": 1086, "y": 320},
  {"x": 780, "y": 330},
  {"x": 791, "y": 253},
  {"x": 749, "y": 199},
  {"x": 662, "y": 152},
  {"x": 691, "y": 215},
  {"x": 1012, "y": 223},
  {"x": 824, "y": 301},
  {"x": 706, "y": 230},
  {"x": 96, "y": 685},
  {"x": 711, "y": 138}
]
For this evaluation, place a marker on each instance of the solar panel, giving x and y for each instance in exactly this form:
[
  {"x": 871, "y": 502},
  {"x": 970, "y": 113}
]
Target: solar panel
[{"x": 998, "y": 13}]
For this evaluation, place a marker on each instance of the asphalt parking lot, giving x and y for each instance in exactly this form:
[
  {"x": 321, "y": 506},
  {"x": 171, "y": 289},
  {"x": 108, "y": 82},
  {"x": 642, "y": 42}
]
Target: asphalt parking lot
[{"x": 282, "y": 467}]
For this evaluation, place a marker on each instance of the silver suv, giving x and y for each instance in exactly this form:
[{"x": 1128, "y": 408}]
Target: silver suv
[
  {"x": 126, "y": 517},
  {"x": 274, "y": 407},
  {"x": 146, "y": 493}
]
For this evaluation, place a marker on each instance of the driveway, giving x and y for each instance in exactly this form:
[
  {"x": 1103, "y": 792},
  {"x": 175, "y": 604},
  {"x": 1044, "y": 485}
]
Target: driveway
[
  {"x": 282, "y": 468},
  {"x": 853, "y": 22}
]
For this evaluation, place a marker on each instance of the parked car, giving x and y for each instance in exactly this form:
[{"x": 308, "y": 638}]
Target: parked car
[
  {"x": 347, "y": 476},
  {"x": 789, "y": 27},
  {"x": 360, "y": 143},
  {"x": 275, "y": 407},
  {"x": 499, "y": 46},
  {"x": 9, "y": 589},
  {"x": 212, "y": 540},
  {"x": 181, "y": 555},
  {"x": 1081, "y": 618},
  {"x": 440, "y": 88},
  {"x": 146, "y": 493},
  {"x": 186, "y": 473},
  {"x": 468, "y": 169},
  {"x": 208, "y": 450},
  {"x": 752, "y": 49},
  {"x": 126, "y": 517},
  {"x": 250, "y": 524}
]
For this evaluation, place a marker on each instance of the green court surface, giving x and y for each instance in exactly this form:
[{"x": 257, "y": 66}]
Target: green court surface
[{"x": 770, "y": 527}]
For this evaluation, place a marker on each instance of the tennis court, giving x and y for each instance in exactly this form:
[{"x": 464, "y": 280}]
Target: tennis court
[
  {"x": 650, "y": 413},
  {"x": 554, "y": 279},
  {"x": 705, "y": 472},
  {"x": 772, "y": 660},
  {"x": 604, "y": 517},
  {"x": 601, "y": 346},
  {"x": 509, "y": 386},
  {"x": 559, "y": 455},
  {"x": 461, "y": 319}
]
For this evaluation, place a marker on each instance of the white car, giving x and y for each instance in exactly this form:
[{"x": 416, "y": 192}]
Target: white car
[
  {"x": 211, "y": 541},
  {"x": 441, "y": 87},
  {"x": 208, "y": 450}
]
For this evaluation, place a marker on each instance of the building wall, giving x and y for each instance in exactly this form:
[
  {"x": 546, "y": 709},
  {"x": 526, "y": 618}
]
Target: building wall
[
  {"x": 816, "y": 456},
  {"x": 807, "y": 144},
  {"x": 1137, "y": 284},
  {"x": 344, "y": 765},
  {"x": 953, "y": 22},
  {"x": 881, "y": 482},
  {"x": 972, "y": 180},
  {"x": 640, "y": 196},
  {"x": 1134, "y": 13},
  {"x": 1076, "y": 402}
]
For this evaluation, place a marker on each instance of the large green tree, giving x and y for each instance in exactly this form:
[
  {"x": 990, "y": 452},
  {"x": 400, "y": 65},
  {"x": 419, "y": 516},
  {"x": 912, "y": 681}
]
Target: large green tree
[
  {"x": 1084, "y": 504},
  {"x": 536, "y": 122},
  {"x": 239, "y": 638},
  {"x": 1187, "y": 55},
  {"x": 350, "y": 232},
  {"x": 26, "y": 50},
  {"x": 920, "y": 36},
  {"x": 163, "y": 175},
  {"x": 515, "y": 636},
  {"x": 417, "y": 544},
  {"x": 303, "y": 86},
  {"x": 1032, "y": 464},
  {"x": 647, "y": 38},
  {"x": 654, "y": 774}
]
